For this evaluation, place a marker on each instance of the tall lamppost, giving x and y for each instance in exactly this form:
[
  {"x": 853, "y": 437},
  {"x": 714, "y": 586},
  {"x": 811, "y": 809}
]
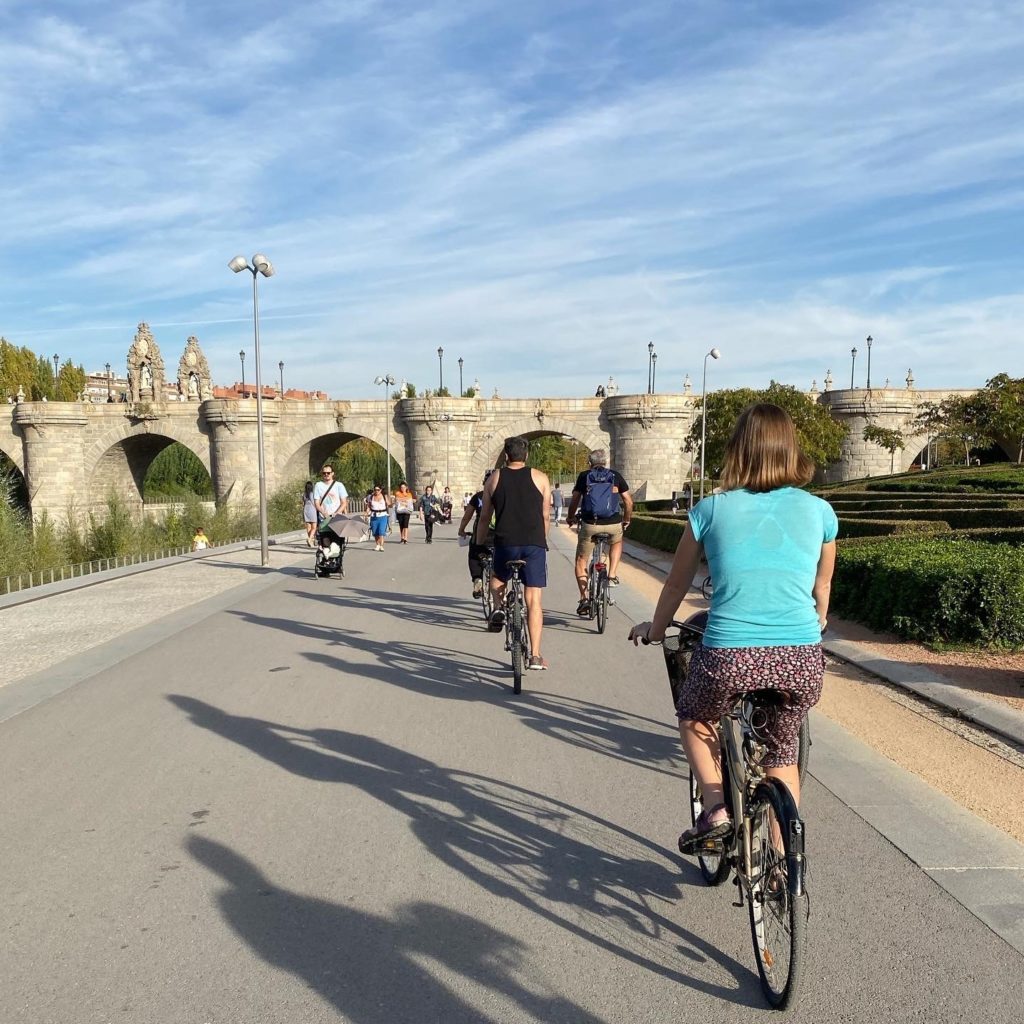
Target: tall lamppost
[
  {"x": 388, "y": 382},
  {"x": 462, "y": 393},
  {"x": 650, "y": 363},
  {"x": 241, "y": 355},
  {"x": 853, "y": 364},
  {"x": 654, "y": 370},
  {"x": 108, "y": 382},
  {"x": 714, "y": 354},
  {"x": 869, "y": 340},
  {"x": 260, "y": 265},
  {"x": 440, "y": 368},
  {"x": 280, "y": 368},
  {"x": 56, "y": 360},
  {"x": 447, "y": 417}
]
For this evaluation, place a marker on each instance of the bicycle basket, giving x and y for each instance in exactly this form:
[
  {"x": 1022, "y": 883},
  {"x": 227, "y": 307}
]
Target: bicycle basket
[{"x": 678, "y": 649}]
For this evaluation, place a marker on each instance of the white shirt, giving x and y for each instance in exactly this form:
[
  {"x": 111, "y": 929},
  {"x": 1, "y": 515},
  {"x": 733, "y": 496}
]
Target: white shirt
[{"x": 329, "y": 502}]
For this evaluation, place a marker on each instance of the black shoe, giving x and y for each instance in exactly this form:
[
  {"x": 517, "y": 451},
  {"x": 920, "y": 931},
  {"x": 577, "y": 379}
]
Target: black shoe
[
  {"x": 583, "y": 608},
  {"x": 497, "y": 621}
]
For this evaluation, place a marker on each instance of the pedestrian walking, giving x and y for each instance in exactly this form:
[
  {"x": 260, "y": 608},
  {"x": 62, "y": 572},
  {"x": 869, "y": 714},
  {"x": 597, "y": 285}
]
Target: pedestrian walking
[
  {"x": 429, "y": 508},
  {"x": 557, "y": 503},
  {"x": 309, "y": 514},
  {"x": 405, "y": 505},
  {"x": 377, "y": 514}
]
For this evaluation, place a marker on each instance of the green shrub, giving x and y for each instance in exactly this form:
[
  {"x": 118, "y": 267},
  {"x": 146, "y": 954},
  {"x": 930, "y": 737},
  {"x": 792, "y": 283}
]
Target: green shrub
[
  {"x": 663, "y": 534},
  {"x": 934, "y": 590},
  {"x": 865, "y": 527},
  {"x": 957, "y": 518}
]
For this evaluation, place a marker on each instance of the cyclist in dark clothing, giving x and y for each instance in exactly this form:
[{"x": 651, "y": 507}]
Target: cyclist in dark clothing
[
  {"x": 476, "y": 551},
  {"x": 518, "y": 497}
]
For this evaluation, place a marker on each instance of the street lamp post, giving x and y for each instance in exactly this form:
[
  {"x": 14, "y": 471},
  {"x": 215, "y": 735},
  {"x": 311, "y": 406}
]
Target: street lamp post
[
  {"x": 56, "y": 360},
  {"x": 447, "y": 417},
  {"x": 650, "y": 363},
  {"x": 462, "y": 393},
  {"x": 241, "y": 355},
  {"x": 853, "y": 364},
  {"x": 654, "y": 370},
  {"x": 869, "y": 340},
  {"x": 714, "y": 354},
  {"x": 387, "y": 381},
  {"x": 260, "y": 265},
  {"x": 108, "y": 382},
  {"x": 440, "y": 369},
  {"x": 280, "y": 368}
]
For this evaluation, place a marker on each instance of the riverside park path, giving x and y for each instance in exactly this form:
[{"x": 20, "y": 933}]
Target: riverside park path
[{"x": 303, "y": 800}]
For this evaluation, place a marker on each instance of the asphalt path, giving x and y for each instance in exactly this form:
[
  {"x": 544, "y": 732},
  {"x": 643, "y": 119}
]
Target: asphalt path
[{"x": 320, "y": 801}]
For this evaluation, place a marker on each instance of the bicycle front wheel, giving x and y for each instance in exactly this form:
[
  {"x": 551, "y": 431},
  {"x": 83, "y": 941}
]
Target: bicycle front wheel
[
  {"x": 777, "y": 899},
  {"x": 602, "y": 602},
  {"x": 516, "y": 630}
]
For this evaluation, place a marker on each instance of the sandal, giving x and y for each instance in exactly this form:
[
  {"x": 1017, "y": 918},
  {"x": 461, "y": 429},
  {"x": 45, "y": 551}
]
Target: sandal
[
  {"x": 713, "y": 824},
  {"x": 583, "y": 608}
]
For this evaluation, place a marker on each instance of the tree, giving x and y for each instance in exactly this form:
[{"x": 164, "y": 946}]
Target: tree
[
  {"x": 360, "y": 464},
  {"x": 891, "y": 440},
  {"x": 1002, "y": 410},
  {"x": 556, "y": 455},
  {"x": 176, "y": 472},
  {"x": 819, "y": 435},
  {"x": 958, "y": 418}
]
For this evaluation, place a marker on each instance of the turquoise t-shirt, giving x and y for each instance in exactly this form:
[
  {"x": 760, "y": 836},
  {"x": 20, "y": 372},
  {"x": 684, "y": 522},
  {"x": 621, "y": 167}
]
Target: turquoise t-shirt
[{"x": 763, "y": 551}]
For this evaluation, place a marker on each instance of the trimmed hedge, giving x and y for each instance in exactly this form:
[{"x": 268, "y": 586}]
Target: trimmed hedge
[
  {"x": 958, "y": 518},
  {"x": 935, "y": 590},
  {"x": 888, "y": 527},
  {"x": 661, "y": 533},
  {"x": 929, "y": 501},
  {"x": 1013, "y": 535}
]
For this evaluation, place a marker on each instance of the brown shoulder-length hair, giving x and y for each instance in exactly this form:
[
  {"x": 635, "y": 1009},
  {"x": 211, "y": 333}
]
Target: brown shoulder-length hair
[{"x": 763, "y": 452}]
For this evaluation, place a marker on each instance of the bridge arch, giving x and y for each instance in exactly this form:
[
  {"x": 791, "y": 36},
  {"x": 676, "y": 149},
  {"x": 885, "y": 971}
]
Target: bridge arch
[
  {"x": 117, "y": 462},
  {"x": 13, "y": 483},
  {"x": 488, "y": 452},
  {"x": 300, "y": 458}
]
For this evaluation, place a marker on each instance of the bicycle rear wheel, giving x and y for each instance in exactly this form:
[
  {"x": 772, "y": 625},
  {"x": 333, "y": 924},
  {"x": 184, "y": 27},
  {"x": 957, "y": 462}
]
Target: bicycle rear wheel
[
  {"x": 602, "y": 601},
  {"x": 714, "y": 866},
  {"x": 777, "y": 899},
  {"x": 516, "y": 630},
  {"x": 486, "y": 598}
]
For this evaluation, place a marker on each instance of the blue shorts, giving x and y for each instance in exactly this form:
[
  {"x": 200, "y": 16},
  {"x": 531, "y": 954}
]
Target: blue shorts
[
  {"x": 378, "y": 525},
  {"x": 533, "y": 574}
]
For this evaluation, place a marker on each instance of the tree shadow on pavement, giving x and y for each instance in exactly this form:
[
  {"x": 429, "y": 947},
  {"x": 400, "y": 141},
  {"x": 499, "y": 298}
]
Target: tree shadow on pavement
[
  {"x": 369, "y": 967},
  {"x": 594, "y": 879},
  {"x": 440, "y": 672}
]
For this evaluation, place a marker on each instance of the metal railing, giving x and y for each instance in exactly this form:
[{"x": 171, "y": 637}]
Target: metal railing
[{"x": 56, "y": 574}]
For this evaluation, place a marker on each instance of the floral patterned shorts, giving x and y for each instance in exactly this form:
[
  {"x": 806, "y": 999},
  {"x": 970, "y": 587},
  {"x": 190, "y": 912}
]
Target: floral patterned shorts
[{"x": 718, "y": 675}]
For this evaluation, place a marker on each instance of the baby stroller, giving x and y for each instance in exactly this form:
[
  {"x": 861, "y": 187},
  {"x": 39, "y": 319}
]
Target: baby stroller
[
  {"x": 329, "y": 556},
  {"x": 446, "y": 509}
]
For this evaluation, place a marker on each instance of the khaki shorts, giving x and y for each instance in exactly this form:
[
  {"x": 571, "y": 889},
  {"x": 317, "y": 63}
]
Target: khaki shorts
[{"x": 588, "y": 531}]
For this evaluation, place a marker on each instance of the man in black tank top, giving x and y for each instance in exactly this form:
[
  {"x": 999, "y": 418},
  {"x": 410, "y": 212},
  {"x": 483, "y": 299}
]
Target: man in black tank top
[{"x": 518, "y": 497}]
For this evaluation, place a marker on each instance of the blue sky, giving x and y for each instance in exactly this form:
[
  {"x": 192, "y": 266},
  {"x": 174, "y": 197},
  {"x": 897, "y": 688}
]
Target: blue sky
[{"x": 541, "y": 188}]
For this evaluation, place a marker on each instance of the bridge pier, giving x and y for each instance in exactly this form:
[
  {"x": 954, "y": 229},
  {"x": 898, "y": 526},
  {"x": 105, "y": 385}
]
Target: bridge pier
[
  {"x": 52, "y": 444},
  {"x": 233, "y": 465},
  {"x": 648, "y": 438},
  {"x": 439, "y": 436}
]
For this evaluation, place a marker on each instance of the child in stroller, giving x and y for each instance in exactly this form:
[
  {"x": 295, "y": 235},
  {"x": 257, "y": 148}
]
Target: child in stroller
[
  {"x": 330, "y": 554},
  {"x": 446, "y": 506}
]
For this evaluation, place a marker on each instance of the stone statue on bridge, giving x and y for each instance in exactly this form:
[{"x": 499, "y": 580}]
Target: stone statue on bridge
[
  {"x": 194, "y": 383},
  {"x": 145, "y": 367}
]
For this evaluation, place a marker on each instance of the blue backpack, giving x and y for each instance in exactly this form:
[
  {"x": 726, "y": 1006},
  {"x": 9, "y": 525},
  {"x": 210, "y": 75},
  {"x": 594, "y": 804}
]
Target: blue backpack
[{"x": 601, "y": 499}]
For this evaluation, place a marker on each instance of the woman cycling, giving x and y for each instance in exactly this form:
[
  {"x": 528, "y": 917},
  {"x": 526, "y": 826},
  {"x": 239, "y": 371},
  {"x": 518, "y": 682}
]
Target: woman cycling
[{"x": 771, "y": 549}]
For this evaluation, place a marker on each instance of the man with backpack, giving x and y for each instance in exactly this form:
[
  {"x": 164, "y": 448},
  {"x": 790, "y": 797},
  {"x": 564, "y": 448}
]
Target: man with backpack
[{"x": 605, "y": 506}]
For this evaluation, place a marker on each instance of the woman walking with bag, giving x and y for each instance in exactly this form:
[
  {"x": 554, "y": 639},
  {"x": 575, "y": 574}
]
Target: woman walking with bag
[
  {"x": 405, "y": 505},
  {"x": 377, "y": 513}
]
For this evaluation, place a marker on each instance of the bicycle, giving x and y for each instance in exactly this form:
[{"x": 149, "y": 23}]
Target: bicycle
[
  {"x": 598, "y": 596},
  {"x": 517, "y": 636},
  {"x": 766, "y": 847}
]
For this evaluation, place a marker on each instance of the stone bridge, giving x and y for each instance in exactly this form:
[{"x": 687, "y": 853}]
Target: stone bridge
[{"x": 73, "y": 455}]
